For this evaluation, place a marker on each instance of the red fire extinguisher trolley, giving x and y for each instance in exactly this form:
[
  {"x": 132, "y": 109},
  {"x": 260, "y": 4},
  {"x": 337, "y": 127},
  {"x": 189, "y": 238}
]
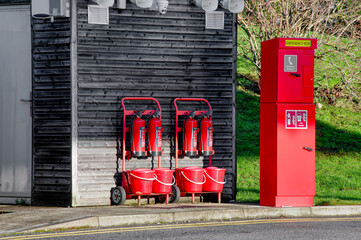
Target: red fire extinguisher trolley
[
  {"x": 196, "y": 142},
  {"x": 138, "y": 183}
]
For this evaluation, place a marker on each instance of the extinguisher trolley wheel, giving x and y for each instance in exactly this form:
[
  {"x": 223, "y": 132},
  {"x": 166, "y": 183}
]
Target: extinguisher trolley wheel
[
  {"x": 173, "y": 198},
  {"x": 117, "y": 195}
]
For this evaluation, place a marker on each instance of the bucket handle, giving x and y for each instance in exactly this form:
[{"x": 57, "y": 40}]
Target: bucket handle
[
  {"x": 214, "y": 180},
  {"x": 199, "y": 183},
  {"x": 146, "y": 179},
  {"x": 167, "y": 184}
]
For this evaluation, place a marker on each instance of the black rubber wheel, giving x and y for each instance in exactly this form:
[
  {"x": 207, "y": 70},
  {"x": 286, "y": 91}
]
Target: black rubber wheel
[
  {"x": 174, "y": 198},
  {"x": 117, "y": 196}
]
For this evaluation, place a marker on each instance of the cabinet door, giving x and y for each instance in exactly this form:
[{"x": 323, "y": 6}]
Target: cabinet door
[
  {"x": 296, "y": 150},
  {"x": 15, "y": 119},
  {"x": 308, "y": 76},
  {"x": 290, "y": 75}
]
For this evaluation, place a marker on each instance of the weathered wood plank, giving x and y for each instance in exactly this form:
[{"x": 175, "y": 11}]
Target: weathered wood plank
[{"x": 51, "y": 112}]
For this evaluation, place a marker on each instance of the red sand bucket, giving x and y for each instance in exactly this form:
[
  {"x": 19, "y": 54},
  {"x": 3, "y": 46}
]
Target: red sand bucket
[
  {"x": 192, "y": 179},
  {"x": 163, "y": 180},
  {"x": 141, "y": 181},
  {"x": 215, "y": 178}
]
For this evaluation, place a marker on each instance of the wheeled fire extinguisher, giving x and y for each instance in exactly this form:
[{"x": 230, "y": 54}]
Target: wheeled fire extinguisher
[
  {"x": 154, "y": 134},
  {"x": 137, "y": 135},
  {"x": 205, "y": 146},
  {"x": 190, "y": 131}
]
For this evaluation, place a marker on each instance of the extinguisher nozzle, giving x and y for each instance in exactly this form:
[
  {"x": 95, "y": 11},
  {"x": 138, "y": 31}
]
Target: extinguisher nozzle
[
  {"x": 192, "y": 114},
  {"x": 156, "y": 114},
  {"x": 207, "y": 114},
  {"x": 139, "y": 114}
]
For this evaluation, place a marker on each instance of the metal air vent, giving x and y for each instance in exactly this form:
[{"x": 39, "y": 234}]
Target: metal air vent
[
  {"x": 215, "y": 20},
  {"x": 98, "y": 14}
]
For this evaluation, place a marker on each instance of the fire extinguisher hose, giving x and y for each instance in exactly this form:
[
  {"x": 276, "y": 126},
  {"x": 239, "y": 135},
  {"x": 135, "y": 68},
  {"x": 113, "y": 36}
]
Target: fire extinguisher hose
[
  {"x": 201, "y": 138},
  {"x": 148, "y": 141},
  {"x": 199, "y": 183},
  {"x": 214, "y": 180},
  {"x": 131, "y": 135},
  {"x": 185, "y": 136},
  {"x": 163, "y": 183}
]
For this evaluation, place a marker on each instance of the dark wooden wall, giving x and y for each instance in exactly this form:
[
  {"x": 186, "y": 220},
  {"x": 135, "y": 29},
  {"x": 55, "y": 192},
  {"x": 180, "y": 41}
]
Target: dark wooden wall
[
  {"x": 51, "y": 112},
  {"x": 143, "y": 53}
]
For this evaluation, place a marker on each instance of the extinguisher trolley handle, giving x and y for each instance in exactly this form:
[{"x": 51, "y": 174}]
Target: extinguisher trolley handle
[{"x": 190, "y": 100}]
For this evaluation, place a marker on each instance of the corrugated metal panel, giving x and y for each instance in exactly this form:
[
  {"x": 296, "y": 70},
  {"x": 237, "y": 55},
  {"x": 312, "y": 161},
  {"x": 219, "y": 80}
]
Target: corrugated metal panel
[
  {"x": 142, "y": 53},
  {"x": 52, "y": 112}
]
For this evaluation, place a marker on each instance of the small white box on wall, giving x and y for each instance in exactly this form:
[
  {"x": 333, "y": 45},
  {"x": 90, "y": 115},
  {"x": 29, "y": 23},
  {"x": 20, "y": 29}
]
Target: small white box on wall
[
  {"x": 215, "y": 20},
  {"x": 98, "y": 15},
  {"x": 50, "y": 8}
]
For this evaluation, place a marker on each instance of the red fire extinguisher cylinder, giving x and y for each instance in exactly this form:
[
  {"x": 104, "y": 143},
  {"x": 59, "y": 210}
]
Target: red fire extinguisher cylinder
[
  {"x": 190, "y": 132},
  {"x": 137, "y": 135},
  {"x": 154, "y": 136},
  {"x": 205, "y": 145}
]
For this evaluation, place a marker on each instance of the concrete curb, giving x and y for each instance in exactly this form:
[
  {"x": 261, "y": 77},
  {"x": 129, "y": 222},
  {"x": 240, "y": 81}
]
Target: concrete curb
[{"x": 207, "y": 215}]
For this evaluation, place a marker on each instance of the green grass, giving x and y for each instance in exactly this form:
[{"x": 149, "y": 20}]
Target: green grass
[
  {"x": 247, "y": 147},
  {"x": 338, "y": 152},
  {"x": 338, "y": 156}
]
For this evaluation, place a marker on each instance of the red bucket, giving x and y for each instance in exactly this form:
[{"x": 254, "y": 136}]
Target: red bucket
[
  {"x": 163, "y": 180},
  {"x": 215, "y": 178},
  {"x": 191, "y": 179},
  {"x": 141, "y": 181}
]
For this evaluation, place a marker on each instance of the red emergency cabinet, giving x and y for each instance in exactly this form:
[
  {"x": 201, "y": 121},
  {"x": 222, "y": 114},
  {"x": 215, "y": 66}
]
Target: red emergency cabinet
[
  {"x": 287, "y": 70},
  {"x": 287, "y": 127}
]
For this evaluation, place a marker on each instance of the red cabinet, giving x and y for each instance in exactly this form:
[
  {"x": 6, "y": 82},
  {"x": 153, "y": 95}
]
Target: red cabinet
[
  {"x": 287, "y": 71},
  {"x": 287, "y": 154},
  {"x": 287, "y": 128}
]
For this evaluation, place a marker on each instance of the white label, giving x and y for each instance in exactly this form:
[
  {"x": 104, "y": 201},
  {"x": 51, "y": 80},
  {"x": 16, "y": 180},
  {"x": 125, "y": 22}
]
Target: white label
[
  {"x": 290, "y": 63},
  {"x": 296, "y": 119}
]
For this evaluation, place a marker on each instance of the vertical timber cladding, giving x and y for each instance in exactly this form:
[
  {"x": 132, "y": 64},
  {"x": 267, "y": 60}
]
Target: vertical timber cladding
[
  {"x": 144, "y": 54},
  {"x": 51, "y": 112}
]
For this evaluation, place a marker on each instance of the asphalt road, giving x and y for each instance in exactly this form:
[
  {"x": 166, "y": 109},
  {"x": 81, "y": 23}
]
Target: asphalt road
[{"x": 312, "y": 228}]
